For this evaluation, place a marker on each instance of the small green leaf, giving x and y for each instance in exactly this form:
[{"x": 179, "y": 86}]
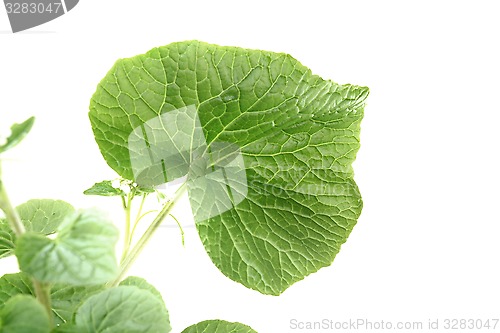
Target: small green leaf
[
  {"x": 82, "y": 253},
  {"x": 141, "y": 284},
  {"x": 104, "y": 188},
  {"x": 44, "y": 215},
  {"x": 23, "y": 314},
  {"x": 218, "y": 326},
  {"x": 38, "y": 215},
  {"x": 65, "y": 299},
  {"x": 14, "y": 284},
  {"x": 18, "y": 132},
  {"x": 123, "y": 309}
]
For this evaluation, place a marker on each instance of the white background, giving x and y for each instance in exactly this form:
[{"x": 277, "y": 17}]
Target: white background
[{"x": 427, "y": 244}]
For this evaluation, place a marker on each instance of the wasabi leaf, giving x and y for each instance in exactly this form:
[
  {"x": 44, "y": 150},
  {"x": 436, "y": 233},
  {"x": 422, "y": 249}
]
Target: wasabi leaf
[
  {"x": 141, "y": 284},
  {"x": 18, "y": 132},
  {"x": 44, "y": 215},
  {"x": 23, "y": 314},
  {"x": 38, "y": 215},
  {"x": 218, "y": 326},
  {"x": 65, "y": 299},
  {"x": 267, "y": 147},
  {"x": 82, "y": 253},
  {"x": 104, "y": 188},
  {"x": 7, "y": 239},
  {"x": 123, "y": 309}
]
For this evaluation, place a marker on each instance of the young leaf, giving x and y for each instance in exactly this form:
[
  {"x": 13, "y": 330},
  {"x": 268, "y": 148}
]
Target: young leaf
[
  {"x": 104, "y": 188},
  {"x": 285, "y": 201},
  {"x": 38, "y": 215},
  {"x": 123, "y": 309},
  {"x": 23, "y": 314},
  {"x": 218, "y": 326},
  {"x": 65, "y": 299},
  {"x": 82, "y": 253},
  {"x": 18, "y": 132}
]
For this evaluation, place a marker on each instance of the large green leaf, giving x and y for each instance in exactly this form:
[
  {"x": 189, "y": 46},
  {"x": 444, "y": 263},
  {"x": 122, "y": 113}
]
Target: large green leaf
[
  {"x": 123, "y": 309},
  {"x": 65, "y": 299},
  {"x": 23, "y": 314},
  {"x": 83, "y": 253},
  {"x": 218, "y": 326},
  {"x": 38, "y": 215},
  {"x": 17, "y": 134},
  {"x": 267, "y": 144}
]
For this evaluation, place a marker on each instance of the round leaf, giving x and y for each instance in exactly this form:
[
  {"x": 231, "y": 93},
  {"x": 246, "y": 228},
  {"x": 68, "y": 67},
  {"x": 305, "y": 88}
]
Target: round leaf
[
  {"x": 123, "y": 309},
  {"x": 267, "y": 145},
  {"x": 83, "y": 253}
]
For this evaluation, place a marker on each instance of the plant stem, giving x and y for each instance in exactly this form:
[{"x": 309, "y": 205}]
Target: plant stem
[
  {"x": 142, "y": 242},
  {"x": 138, "y": 217},
  {"x": 11, "y": 214},
  {"x": 42, "y": 291},
  {"x": 127, "y": 236},
  {"x": 124, "y": 203},
  {"x": 180, "y": 227}
]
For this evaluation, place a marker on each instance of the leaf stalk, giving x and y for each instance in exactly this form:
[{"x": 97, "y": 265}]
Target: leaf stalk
[
  {"x": 42, "y": 291},
  {"x": 143, "y": 241}
]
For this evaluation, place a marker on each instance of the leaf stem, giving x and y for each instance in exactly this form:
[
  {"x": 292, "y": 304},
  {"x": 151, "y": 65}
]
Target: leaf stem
[
  {"x": 42, "y": 291},
  {"x": 138, "y": 217},
  {"x": 142, "y": 242},
  {"x": 127, "y": 236},
  {"x": 11, "y": 214},
  {"x": 180, "y": 227},
  {"x": 124, "y": 203}
]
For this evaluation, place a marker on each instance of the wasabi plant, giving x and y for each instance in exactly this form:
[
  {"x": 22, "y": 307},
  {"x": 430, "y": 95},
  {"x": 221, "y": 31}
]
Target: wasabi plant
[{"x": 262, "y": 148}]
